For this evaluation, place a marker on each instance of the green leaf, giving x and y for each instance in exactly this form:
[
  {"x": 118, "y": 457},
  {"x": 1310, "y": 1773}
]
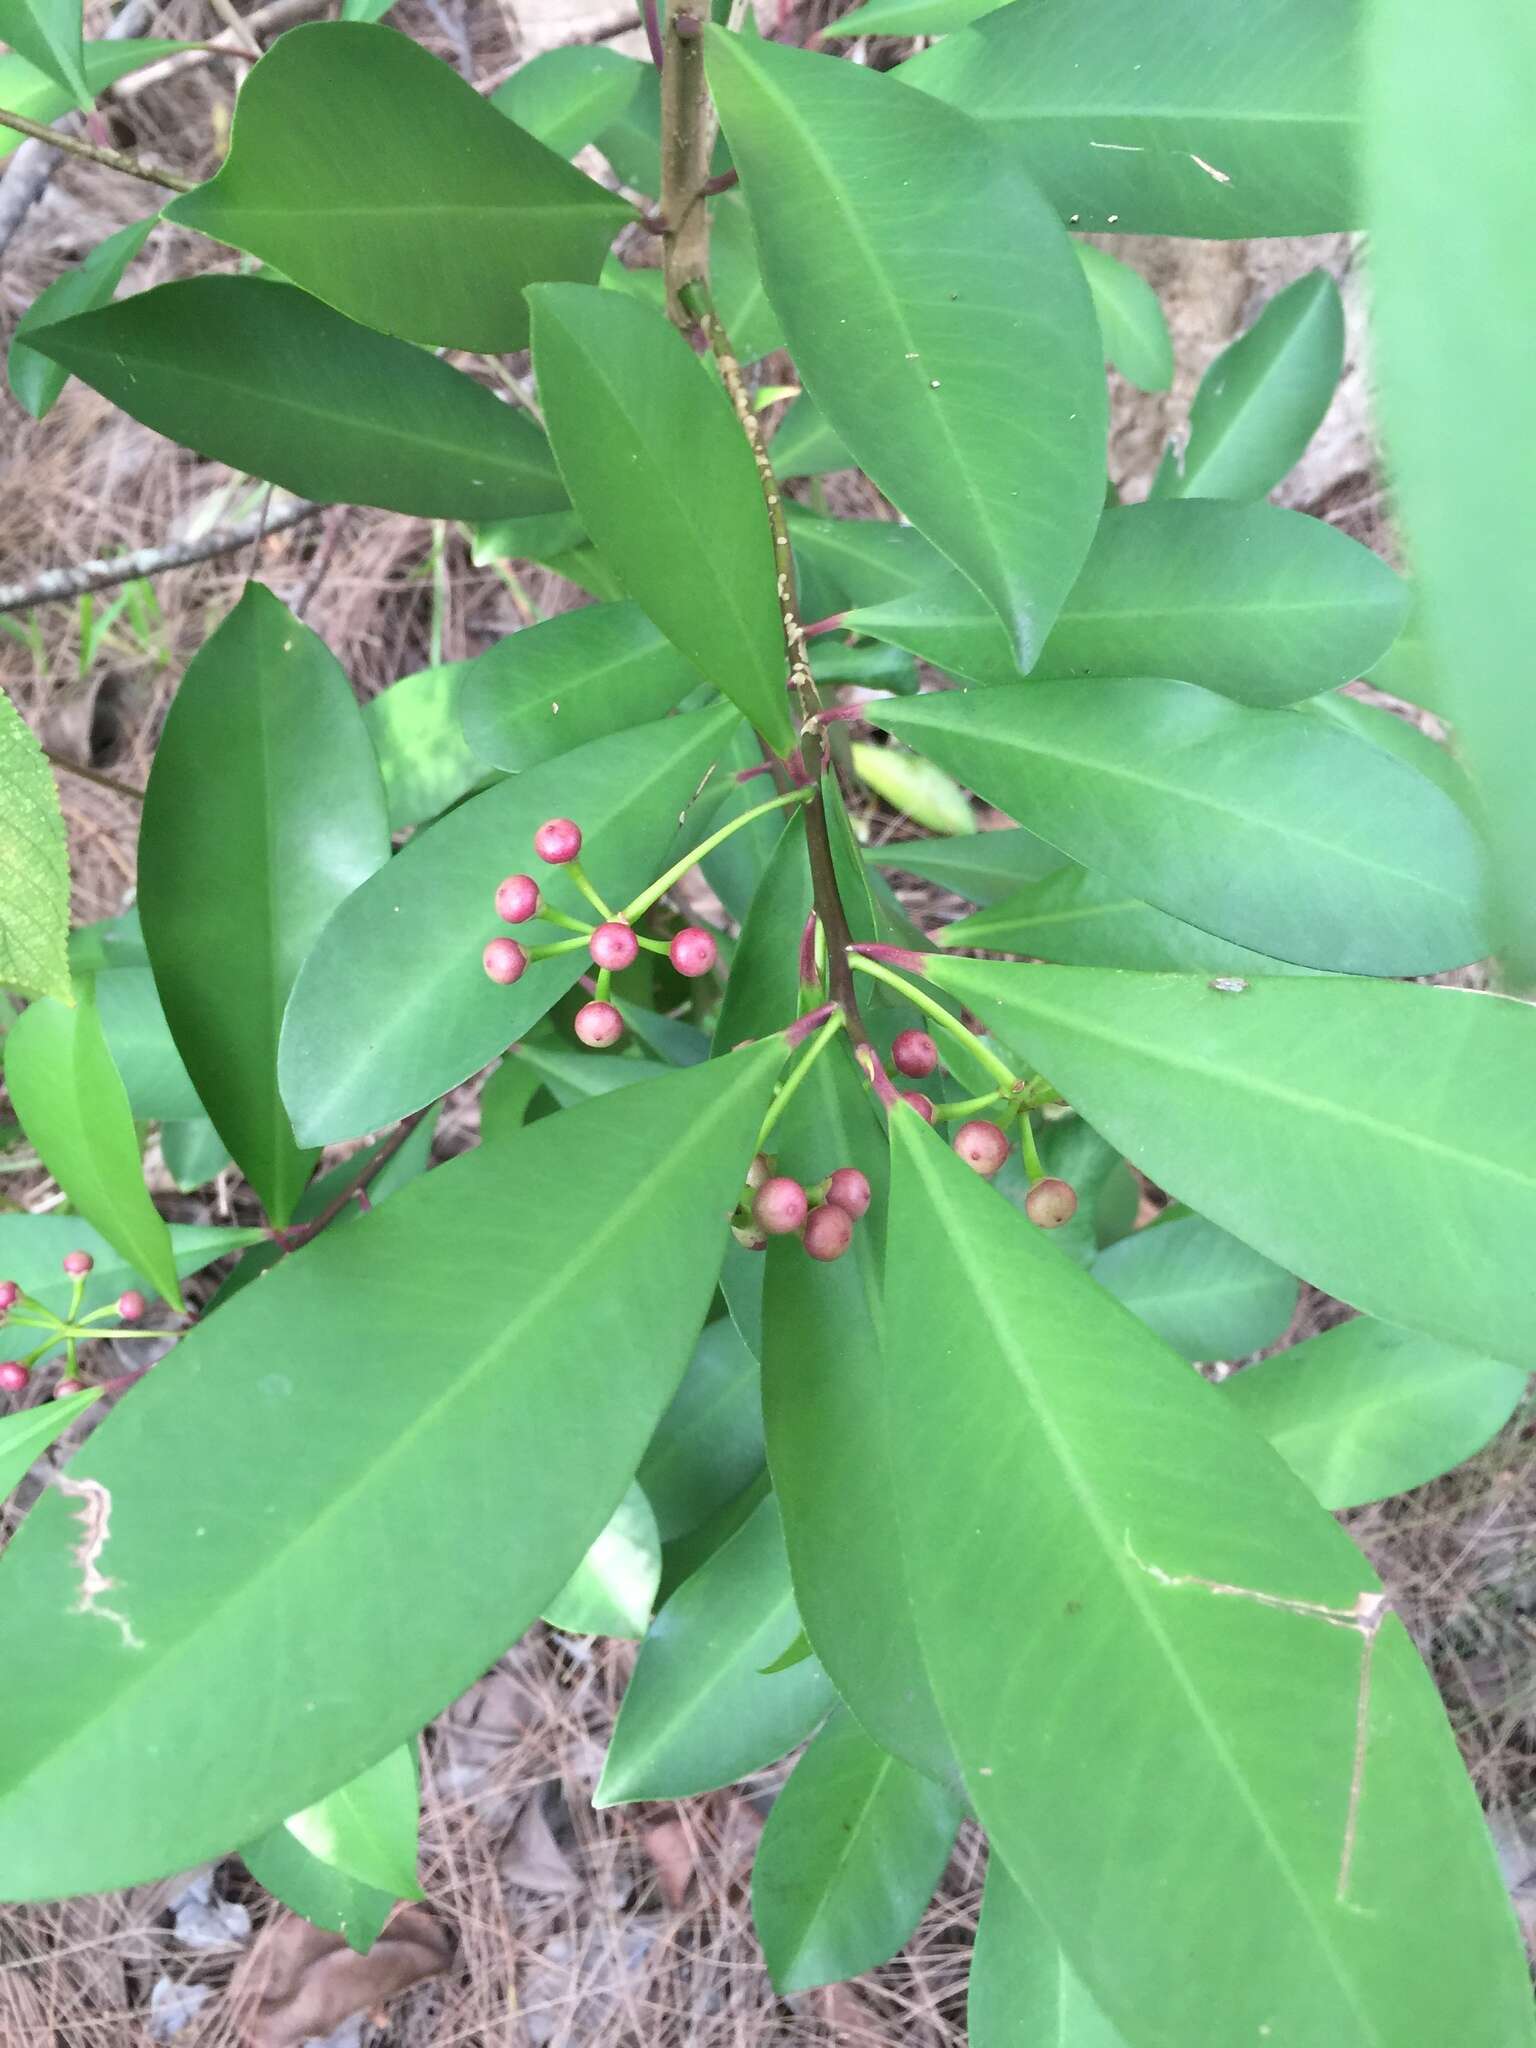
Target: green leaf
[
  {"x": 914, "y": 786},
  {"x": 1120, "y": 1527},
  {"x": 424, "y": 759},
  {"x": 672, "y": 1039},
  {"x": 47, "y": 34},
  {"x": 1264, "y": 827},
  {"x": 193, "y": 1152},
  {"x": 764, "y": 985},
  {"x": 553, "y": 686},
  {"x": 26, "y": 90},
  {"x": 365, "y": 10},
  {"x": 907, "y": 18},
  {"x": 264, "y": 812},
  {"x": 1263, "y": 399},
  {"x": 849, "y": 1858},
  {"x": 709, "y": 1444},
  {"x": 35, "y": 382},
  {"x": 804, "y": 445},
  {"x": 367, "y": 1829},
  {"x": 269, "y": 380},
  {"x": 25, "y": 1437},
  {"x": 74, "y": 1109},
  {"x": 1381, "y": 727},
  {"x": 1446, "y": 107},
  {"x": 1417, "y": 1099},
  {"x": 1203, "y": 1291},
  {"x": 153, "y": 1073},
  {"x": 1023, "y": 1991},
  {"x": 1189, "y": 129},
  {"x": 944, "y": 621},
  {"x": 367, "y": 171},
  {"x": 985, "y": 866},
  {"x": 316, "y": 1891},
  {"x": 632, "y": 140},
  {"x": 392, "y": 1007},
  {"x": 1130, "y": 317},
  {"x": 1411, "y": 667},
  {"x": 968, "y": 386},
  {"x": 566, "y": 98},
  {"x": 736, "y": 280},
  {"x": 661, "y": 474},
  {"x": 34, "y": 866},
  {"x": 698, "y": 1712},
  {"x": 1367, "y": 1410},
  {"x": 612, "y": 1590},
  {"x": 578, "y": 1076},
  {"x": 488, "y": 1434}
]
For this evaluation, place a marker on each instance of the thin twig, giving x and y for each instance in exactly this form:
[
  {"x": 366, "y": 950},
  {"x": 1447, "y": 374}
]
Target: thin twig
[
  {"x": 291, "y": 1240},
  {"x": 225, "y": 10},
  {"x": 94, "y": 775},
  {"x": 113, "y": 159},
  {"x": 277, "y": 14},
  {"x": 54, "y": 585}
]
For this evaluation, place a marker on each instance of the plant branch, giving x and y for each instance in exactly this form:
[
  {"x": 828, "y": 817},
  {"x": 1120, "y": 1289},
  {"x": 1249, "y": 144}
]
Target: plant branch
[
  {"x": 113, "y": 159},
  {"x": 54, "y": 585},
  {"x": 292, "y": 1240},
  {"x": 687, "y": 136},
  {"x": 94, "y": 775}
]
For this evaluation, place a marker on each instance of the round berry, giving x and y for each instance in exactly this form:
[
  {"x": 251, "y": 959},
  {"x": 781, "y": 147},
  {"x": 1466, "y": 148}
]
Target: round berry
[
  {"x": 1050, "y": 1203},
  {"x": 10, "y": 1294},
  {"x": 504, "y": 961},
  {"x": 614, "y": 946},
  {"x": 13, "y": 1377},
  {"x": 68, "y": 1387},
  {"x": 749, "y": 1237},
  {"x": 914, "y": 1054},
  {"x": 759, "y": 1170},
  {"x": 78, "y": 1264},
  {"x": 920, "y": 1103},
  {"x": 599, "y": 1024},
  {"x": 982, "y": 1146},
  {"x": 517, "y": 899},
  {"x": 848, "y": 1190},
  {"x": 828, "y": 1232},
  {"x": 131, "y": 1306},
  {"x": 780, "y": 1205},
  {"x": 557, "y": 841},
  {"x": 693, "y": 951}
]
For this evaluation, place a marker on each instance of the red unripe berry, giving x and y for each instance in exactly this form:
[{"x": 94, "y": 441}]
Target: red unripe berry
[
  {"x": 10, "y": 1294},
  {"x": 614, "y": 946},
  {"x": 759, "y": 1170},
  {"x": 13, "y": 1377},
  {"x": 517, "y": 899},
  {"x": 557, "y": 841},
  {"x": 847, "y": 1190},
  {"x": 68, "y": 1387},
  {"x": 599, "y": 1024},
  {"x": 131, "y": 1306},
  {"x": 78, "y": 1264},
  {"x": 693, "y": 951},
  {"x": 914, "y": 1054},
  {"x": 780, "y": 1205},
  {"x": 920, "y": 1103},
  {"x": 504, "y": 961},
  {"x": 982, "y": 1146},
  {"x": 1050, "y": 1203},
  {"x": 828, "y": 1232}
]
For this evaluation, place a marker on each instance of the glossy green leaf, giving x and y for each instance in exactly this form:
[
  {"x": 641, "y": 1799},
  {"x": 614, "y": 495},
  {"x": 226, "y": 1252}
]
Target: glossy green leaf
[
  {"x": 74, "y": 1110},
  {"x": 1447, "y": 100},
  {"x": 968, "y": 385},
  {"x": 26, "y": 90},
  {"x": 736, "y": 281},
  {"x": 804, "y": 445},
  {"x": 709, "y": 1444},
  {"x": 764, "y": 985},
  {"x": 365, "y": 10},
  {"x": 424, "y": 758},
  {"x": 158, "y": 1086},
  {"x": 567, "y": 97},
  {"x": 907, "y": 18},
  {"x": 499, "y": 1450},
  {"x": 1130, "y": 317},
  {"x": 1164, "y": 120},
  {"x": 24, "y": 1437},
  {"x": 1412, "y": 668},
  {"x": 1381, "y": 727},
  {"x": 269, "y": 380},
  {"x": 193, "y": 1152},
  {"x": 611, "y": 1592},
  {"x": 664, "y": 481},
  {"x": 870, "y": 665},
  {"x": 1263, "y": 399},
  {"x": 914, "y": 787},
  {"x": 392, "y": 1007},
  {"x": 317, "y": 1891},
  {"x": 1023, "y": 1992},
  {"x": 264, "y": 812},
  {"x": 698, "y": 1712},
  {"x": 573, "y": 1076},
  {"x": 985, "y": 866},
  {"x": 573, "y": 678},
  {"x": 370, "y": 173},
  {"x": 944, "y": 621},
  {"x": 47, "y": 34},
  {"x": 35, "y": 382},
  {"x": 34, "y": 866},
  {"x": 1203, "y": 1291},
  {"x": 1375, "y": 1139},
  {"x": 1122, "y": 1532},
  {"x": 1264, "y": 827},
  {"x": 632, "y": 140},
  {"x": 672, "y": 1039},
  {"x": 367, "y": 1828},
  {"x": 1366, "y": 1409},
  {"x": 850, "y": 1856}
]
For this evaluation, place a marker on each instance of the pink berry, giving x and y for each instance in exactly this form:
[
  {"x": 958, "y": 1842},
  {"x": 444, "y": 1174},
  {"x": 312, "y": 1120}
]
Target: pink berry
[
  {"x": 1050, "y": 1203},
  {"x": 848, "y": 1190},
  {"x": 131, "y": 1306},
  {"x": 780, "y": 1205},
  {"x": 982, "y": 1146},
  {"x": 10, "y": 1294},
  {"x": 517, "y": 899},
  {"x": 599, "y": 1024},
  {"x": 914, "y": 1054},
  {"x": 614, "y": 946},
  {"x": 693, "y": 951},
  {"x": 66, "y": 1387},
  {"x": 828, "y": 1232},
  {"x": 557, "y": 841},
  {"x": 504, "y": 961},
  {"x": 78, "y": 1264},
  {"x": 13, "y": 1377},
  {"x": 920, "y": 1103}
]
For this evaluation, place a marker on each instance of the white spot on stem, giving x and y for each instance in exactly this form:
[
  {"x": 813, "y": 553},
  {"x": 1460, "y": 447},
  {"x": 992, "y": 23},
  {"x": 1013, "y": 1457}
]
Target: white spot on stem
[{"x": 95, "y": 1520}]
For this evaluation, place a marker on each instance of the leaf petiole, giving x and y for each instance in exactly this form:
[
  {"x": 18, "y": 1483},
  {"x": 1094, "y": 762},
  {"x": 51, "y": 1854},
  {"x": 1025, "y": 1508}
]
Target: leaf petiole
[
  {"x": 813, "y": 1051},
  {"x": 983, "y": 1054},
  {"x": 676, "y": 872}
]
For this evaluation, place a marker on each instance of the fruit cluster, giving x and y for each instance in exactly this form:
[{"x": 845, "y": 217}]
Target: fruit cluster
[
  {"x": 16, "y": 1373},
  {"x": 822, "y": 1217}
]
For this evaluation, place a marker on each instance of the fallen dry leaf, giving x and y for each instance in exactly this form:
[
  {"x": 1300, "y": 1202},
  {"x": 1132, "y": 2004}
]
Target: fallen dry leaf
[
  {"x": 300, "y": 1981},
  {"x": 670, "y": 1846}
]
